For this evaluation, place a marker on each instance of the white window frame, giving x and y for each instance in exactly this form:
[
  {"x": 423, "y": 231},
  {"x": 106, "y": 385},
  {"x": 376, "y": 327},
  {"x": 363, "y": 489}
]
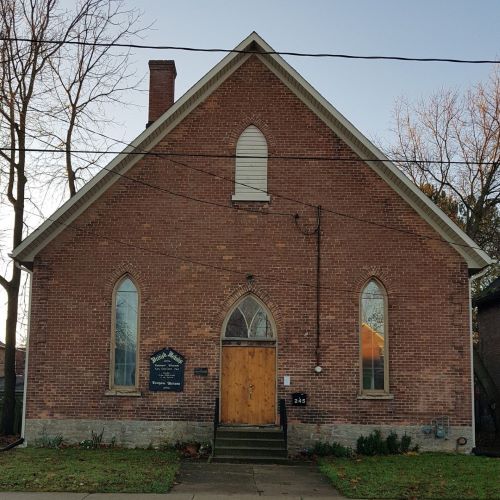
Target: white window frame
[{"x": 248, "y": 174}]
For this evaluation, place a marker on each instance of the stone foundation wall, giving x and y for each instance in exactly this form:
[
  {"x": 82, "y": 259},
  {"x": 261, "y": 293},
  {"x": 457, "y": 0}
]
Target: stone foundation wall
[
  {"x": 127, "y": 433},
  {"x": 302, "y": 436},
  {"x": 144, "y": 433}
]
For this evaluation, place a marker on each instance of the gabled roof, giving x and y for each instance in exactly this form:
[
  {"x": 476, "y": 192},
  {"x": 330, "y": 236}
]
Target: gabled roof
[{"x": 476, "y": 259}]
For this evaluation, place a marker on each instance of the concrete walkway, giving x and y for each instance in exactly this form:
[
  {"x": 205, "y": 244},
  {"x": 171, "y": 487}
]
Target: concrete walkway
[
  {"x": 251, "y": 481},
  {"x": 202, "y": 481}
]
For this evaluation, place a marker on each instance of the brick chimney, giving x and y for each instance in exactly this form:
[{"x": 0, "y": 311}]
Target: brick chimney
[{"x": 161, "y": 88}]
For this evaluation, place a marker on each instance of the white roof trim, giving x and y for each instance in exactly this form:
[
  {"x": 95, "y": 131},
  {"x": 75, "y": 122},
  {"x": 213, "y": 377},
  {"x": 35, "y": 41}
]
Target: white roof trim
[{"x": 436, "y": 218}]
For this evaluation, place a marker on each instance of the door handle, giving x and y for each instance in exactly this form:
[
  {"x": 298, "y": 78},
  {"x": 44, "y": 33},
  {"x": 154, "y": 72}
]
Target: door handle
[{"x": 250, "y": 391}]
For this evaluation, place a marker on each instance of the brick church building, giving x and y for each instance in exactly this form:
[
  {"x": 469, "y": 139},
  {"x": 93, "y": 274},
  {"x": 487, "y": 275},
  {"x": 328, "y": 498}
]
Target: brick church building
[{"x": 250, "y": 255}]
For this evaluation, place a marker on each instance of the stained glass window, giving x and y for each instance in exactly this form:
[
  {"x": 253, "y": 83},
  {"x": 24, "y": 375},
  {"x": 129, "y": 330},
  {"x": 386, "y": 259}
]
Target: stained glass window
[
  {"x": 249, "y": 320},
  {"x": 125, "y": 335},
  {"x": 373, "y": 337}
]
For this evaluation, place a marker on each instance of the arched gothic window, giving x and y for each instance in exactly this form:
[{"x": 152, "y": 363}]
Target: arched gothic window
[
  {"x": 249, "y": 320},
  {"x": 251, "y": 166},
  {"x": 373, "y": 338},
  {"x": 125, "y": 334}
]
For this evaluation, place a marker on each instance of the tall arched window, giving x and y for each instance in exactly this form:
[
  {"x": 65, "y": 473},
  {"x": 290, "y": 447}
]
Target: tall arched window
[
  {"x": 125, "y": 334},
  {"x": 373, "y": 339},
  {"x": 249, "y": 320},
  {"x": 251, "y": 166}
]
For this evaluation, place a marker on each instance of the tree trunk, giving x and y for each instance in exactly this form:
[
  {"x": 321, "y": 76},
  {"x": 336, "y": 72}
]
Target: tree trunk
[{"x": 9, "y": 396}]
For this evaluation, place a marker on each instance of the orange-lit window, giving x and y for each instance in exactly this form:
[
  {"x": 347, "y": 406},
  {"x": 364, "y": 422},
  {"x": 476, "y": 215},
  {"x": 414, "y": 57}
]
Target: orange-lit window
[{"x": 373, "y": 338}]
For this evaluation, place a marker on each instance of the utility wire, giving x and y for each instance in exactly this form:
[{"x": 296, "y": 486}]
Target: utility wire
[
  {"x": 234, "y": 156},
  {"x": 262, "y": 52},
  {"x": 278, "y": 195},
  {"x": 205, "y": 264},
  {"x": 199, "y": 200}
]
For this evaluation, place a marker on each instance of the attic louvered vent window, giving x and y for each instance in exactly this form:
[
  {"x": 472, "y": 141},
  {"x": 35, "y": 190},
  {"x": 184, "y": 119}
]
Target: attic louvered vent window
[{"x": 251, "y": 166}]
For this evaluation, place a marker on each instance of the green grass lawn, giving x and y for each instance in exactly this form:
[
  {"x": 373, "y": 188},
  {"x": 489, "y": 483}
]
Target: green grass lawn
[
  {"x": 428, "y": 475},
  {"x": 101, "y": 470}
]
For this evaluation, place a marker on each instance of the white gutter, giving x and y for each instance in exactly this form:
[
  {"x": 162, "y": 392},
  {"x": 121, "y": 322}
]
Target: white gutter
[{"x": 26, "y": 359}]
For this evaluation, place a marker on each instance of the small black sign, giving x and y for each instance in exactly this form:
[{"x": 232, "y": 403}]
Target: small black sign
[
  {"x": 166, "y": 371},
  {"x": 201, "y": 372},
  {"x": 299, "y": 399}
]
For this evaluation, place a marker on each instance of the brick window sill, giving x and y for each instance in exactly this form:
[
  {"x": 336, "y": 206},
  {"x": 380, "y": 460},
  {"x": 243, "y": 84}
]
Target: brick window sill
[
  {"x": 258, "y": 197},
  {"x": 376, "y": 396},
  {"x": 116, "y": 392}
]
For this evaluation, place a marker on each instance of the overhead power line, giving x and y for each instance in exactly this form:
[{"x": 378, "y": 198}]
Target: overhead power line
[
  {"x": 234, "y": 156},
  {"x": 207, "y": 265},
  {"x": 246, "y": 51},
  {"x": 265, "y": 212}
]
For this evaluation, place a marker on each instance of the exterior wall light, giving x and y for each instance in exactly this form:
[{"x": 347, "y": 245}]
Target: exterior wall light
[{"x": 318, "y": 369}]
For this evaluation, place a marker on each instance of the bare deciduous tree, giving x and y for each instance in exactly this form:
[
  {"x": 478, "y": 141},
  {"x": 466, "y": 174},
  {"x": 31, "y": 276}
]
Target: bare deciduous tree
[
  {"x": 449, "y": 145},
  {"x": 49, "y": 91},
  {"x": 87, "y": 77},
  {"x": 450, "y": 127}
]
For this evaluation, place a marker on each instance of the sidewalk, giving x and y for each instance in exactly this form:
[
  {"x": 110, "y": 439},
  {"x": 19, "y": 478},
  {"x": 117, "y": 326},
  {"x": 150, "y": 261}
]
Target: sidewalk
[
  {"x": 252, "y": 481},
  {"x": 144, "y": 496}
]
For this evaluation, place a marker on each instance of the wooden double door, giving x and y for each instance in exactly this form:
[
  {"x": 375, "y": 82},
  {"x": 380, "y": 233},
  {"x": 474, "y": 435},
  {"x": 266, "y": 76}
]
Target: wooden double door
[{"x": 248, "y": 385}]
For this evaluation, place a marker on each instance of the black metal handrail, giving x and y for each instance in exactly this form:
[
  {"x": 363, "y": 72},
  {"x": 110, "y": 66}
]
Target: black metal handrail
[
  {"x": 216, "y": 418},
  {"x": 283, "y": 419}
]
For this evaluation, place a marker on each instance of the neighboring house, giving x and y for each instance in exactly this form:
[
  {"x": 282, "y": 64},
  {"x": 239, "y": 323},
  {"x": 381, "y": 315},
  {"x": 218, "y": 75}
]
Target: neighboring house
[
  {"x": 20, "y": 358},
  {"x": 186, "y": 270},
  {"x": 488, "y": 323}
]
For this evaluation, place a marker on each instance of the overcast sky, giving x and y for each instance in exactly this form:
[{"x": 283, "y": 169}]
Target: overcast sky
[{"x": 364, "y": 91}]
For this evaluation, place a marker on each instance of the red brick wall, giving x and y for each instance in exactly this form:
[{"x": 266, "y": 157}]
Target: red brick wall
[
  {"x": 183, "y": 305},
  {"x": 489, "y": 334}
]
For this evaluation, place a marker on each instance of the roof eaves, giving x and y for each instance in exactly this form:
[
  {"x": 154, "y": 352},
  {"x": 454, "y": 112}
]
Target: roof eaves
[{"x": 475, "y": 257}]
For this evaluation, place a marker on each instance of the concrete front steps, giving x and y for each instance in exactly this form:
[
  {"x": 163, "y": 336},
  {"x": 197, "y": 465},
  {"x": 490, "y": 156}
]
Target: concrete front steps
[{"x": 265, "y": 445}]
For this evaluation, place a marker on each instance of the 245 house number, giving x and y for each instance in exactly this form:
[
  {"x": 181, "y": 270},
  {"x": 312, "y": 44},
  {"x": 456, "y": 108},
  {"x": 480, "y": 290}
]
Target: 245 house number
[{"x": 299, "y": 399}]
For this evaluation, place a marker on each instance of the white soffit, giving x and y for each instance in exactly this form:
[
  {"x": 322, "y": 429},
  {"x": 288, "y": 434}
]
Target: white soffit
[{"x": 69, "y": 211}]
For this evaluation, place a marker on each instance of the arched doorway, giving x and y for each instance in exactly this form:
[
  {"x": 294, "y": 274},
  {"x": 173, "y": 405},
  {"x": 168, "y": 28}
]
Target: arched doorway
[{"x": 248, "y": 364}]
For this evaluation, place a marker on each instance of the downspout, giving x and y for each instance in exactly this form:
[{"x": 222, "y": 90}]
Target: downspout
[
  {"x": 317, "y": 231},
  {"x": 26, "y": 359},
  {"x": 318, "y": 291},
  {"x": 471, "y": 279}
]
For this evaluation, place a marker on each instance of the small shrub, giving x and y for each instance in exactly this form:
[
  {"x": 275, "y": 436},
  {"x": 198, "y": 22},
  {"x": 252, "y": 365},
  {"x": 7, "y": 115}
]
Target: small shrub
[
  {"x": 374, "y": 444},
  {"x": 405, "y": 444},
  {"x": 322, "y": 449},
  {"x": 94, "y": 442},
  {"x": 45, "y": 441},
  {"x": 371, "y": 445},
  {"x": 394, "y": 445}
]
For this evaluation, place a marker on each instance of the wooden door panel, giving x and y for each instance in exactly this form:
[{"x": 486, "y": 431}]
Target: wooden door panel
[
  {"x": 234, "y": 385},
  {"x": 248, "y": 385}
]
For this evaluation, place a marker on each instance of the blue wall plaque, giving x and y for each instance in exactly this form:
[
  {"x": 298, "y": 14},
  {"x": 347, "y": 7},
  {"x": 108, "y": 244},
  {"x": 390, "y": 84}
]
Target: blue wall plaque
[{"x": 166, "y": 371}]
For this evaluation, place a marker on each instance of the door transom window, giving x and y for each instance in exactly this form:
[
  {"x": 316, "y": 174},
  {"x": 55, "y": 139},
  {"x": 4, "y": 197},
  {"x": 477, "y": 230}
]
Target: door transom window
[{"x": 249, "y": 320}]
